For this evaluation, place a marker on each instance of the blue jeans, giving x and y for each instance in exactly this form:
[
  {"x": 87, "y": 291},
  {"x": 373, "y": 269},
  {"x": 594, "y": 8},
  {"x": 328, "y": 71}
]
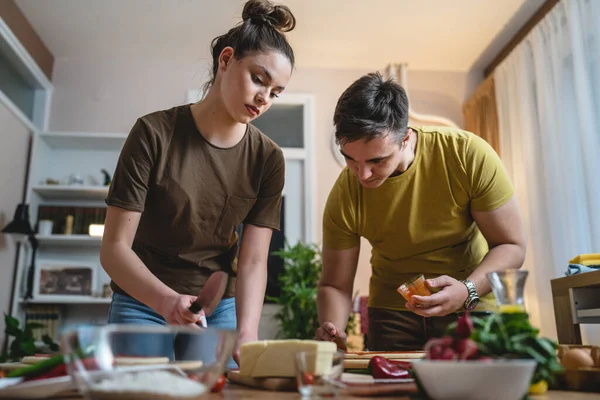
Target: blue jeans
[{"x": 125, "y": 309}]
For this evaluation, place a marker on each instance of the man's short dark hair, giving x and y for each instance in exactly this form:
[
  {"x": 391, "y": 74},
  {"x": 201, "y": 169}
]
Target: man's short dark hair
[{"x": 371, "y": 107}]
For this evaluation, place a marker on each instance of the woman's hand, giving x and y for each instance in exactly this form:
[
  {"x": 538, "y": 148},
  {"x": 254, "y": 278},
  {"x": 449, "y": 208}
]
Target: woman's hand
[
  {"x": 450, "y": 298},
  {"x": 175, "y": 310}
]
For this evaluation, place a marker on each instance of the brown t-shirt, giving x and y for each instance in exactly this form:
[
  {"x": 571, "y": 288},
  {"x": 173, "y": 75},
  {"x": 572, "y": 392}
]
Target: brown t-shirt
[{"x": 193, "y": 196}]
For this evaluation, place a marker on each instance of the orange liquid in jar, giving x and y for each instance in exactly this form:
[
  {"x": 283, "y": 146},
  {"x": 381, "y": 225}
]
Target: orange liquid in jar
[{"x": 415, "y": 286}]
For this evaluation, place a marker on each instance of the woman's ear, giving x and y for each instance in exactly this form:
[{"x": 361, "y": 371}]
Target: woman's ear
[{"x": 226, "y": 57}]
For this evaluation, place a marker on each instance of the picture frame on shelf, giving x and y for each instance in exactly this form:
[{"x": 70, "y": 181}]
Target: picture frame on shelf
[{"x": 58, "y": 279}]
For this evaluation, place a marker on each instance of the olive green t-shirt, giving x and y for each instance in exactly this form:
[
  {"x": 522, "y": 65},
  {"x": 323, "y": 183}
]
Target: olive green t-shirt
[
  {"x": 420, "y": 221},
  {"x": 193, "y": 196}
]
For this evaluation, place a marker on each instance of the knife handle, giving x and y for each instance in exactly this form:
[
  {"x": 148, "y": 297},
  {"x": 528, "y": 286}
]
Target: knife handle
[{"x": 195, "y": 308}]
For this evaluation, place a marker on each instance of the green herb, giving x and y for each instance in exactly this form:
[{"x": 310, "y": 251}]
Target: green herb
[{"x": 511, "y": 335}]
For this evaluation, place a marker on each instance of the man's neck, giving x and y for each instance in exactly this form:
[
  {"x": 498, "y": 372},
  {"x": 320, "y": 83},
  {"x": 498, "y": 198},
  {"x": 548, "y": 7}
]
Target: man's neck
[{"x": 409, "y": 154}]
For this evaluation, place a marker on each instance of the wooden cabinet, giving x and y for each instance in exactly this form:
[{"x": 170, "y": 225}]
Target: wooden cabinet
[{"x": 576, "y": 301}]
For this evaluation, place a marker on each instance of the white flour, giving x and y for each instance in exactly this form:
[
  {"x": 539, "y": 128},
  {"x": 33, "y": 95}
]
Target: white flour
[{"x": 154, "y": 382}]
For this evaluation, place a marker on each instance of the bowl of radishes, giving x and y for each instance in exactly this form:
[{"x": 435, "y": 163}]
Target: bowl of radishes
[{"x": 454, "y": 368}]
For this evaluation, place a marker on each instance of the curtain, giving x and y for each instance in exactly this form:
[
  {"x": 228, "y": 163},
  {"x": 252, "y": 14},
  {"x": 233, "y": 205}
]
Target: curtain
[
  {"x": 480, "y": 113},
  {"x": 548, "y": 95}
]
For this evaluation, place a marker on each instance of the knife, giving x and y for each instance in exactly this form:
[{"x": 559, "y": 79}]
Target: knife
[{"x": 211, "y": 294}]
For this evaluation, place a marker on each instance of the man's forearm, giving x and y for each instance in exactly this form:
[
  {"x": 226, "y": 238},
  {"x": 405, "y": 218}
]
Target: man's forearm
[
  {"x": 129, "y": 272},
  {"x": 249, "y": 296},
  {"x": 499, "y": 258},
  {"x": 333, "y": 306}
]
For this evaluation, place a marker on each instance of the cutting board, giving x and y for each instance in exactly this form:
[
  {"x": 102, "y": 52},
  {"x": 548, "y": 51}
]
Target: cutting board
[
  {"x": 275, "y": 384},
  {"x": 289, "y": 384},
  {"x": 358, "y": 385},
  {"x": 360, "y": 360}
]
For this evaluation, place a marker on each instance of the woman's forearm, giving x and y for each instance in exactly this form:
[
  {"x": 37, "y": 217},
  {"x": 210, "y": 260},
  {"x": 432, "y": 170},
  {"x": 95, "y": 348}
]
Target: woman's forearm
[
  {"x": 129, "y": 272},
  {"x": 249, "y": 297}
]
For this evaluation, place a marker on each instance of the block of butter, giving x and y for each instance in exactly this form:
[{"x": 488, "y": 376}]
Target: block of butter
[{"x": 277, "y": 358}]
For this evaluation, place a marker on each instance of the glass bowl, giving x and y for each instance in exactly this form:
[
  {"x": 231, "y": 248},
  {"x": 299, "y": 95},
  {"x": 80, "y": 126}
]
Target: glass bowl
[{"x": 146, "y": 361}]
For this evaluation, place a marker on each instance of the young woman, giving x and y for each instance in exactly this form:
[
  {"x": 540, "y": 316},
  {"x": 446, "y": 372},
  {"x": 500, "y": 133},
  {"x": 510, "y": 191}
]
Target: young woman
[{"x": 187, "y": 177}]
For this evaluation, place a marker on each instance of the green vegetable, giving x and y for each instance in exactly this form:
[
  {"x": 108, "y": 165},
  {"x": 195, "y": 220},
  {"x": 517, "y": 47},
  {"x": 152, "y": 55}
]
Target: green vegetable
[
  {"x": 37, "y": 369},
  {"x": 511, "y": 335}
]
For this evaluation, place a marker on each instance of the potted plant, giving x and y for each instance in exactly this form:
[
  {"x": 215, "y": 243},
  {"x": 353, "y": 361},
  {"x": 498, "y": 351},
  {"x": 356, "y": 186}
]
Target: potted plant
[
  {"x": 299, "y": 280},
  {"x": 23, "y": 341}
]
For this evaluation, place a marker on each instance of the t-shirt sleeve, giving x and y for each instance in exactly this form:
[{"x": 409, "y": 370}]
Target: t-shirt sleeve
[
  {"x": 131, "y": 179},
  {"x": 266, "y": 211},
  {"x": 490, "y": 186},
  {"x": 339, "y": 217}
]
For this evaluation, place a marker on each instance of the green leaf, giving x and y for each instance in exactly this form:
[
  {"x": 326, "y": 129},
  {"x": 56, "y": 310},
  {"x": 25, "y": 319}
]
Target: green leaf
[
  {"x": 11, "y": 321},
  {"x": 28, "y": 348}
]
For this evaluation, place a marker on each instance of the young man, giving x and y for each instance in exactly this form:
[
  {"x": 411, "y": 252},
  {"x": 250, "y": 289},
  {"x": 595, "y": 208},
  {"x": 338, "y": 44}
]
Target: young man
[{"x": 435, "y": 201}]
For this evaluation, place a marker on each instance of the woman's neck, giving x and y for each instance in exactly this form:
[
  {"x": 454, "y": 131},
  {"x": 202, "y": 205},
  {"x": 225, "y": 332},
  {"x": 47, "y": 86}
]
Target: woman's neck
[{"x": 215, "y": 124}]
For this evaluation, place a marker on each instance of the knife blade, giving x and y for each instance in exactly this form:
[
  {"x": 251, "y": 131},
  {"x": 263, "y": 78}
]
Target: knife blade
[{"x": 211, "y": 293}]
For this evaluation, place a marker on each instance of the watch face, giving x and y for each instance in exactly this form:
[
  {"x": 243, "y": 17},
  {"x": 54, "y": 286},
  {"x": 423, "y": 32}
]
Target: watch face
[{"x": 472, "y": 304}]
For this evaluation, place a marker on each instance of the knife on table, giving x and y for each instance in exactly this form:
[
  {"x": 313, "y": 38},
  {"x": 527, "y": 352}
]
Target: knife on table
[{"x": 210, "y": 295}]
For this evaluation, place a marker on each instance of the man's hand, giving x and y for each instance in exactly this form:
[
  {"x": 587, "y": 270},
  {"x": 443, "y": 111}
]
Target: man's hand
[
  {"x": 328, "y": 332},
  {"x": 175, "y": 310},
  {"x": 450, "y": 298},
  {"x": 242, "y": 338}
]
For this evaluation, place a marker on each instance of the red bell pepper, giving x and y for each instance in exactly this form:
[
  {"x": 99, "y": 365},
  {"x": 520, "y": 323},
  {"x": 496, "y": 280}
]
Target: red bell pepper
[{"x": 382, "y": 368}]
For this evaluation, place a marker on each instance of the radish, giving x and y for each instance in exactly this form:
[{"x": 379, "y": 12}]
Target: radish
[
  {"x": 449, "y": 354},
  {"x": 464, "y": 326},
  {"x": 466, "y": 349}
]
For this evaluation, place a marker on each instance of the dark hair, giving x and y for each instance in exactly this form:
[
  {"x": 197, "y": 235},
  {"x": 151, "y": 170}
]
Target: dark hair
[
  {"x": 262, "y": 28},
  {"x": 371, "y": 107}
]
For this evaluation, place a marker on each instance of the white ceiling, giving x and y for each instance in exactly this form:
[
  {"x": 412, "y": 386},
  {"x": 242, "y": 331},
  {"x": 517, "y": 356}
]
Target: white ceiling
[{"x": 427, "y": 34}]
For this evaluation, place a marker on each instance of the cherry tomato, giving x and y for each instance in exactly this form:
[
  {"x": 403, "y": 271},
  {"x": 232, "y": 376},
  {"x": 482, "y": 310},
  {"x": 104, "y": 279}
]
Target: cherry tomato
[
  {"x": 218, "y": 386},
  {"x": 308, "y": 378}
]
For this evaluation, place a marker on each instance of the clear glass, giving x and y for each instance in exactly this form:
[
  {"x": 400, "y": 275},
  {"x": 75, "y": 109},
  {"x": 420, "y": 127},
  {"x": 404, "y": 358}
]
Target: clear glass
[
  {"x": 509, "y": 287},
  {"x": 319, "y": 373},
  {"x": 415, "y": 285},
  {"x": 144, "y": 361}
]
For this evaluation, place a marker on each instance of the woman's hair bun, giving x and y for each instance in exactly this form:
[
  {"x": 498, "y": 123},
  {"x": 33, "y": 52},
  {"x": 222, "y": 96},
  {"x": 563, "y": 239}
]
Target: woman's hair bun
[{"x": 279, "y": 17}]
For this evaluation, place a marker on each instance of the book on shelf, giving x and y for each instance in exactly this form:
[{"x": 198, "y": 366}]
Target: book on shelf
[
  {"x": 46, "y": 315},
  {"x": 71, "y": 220}
]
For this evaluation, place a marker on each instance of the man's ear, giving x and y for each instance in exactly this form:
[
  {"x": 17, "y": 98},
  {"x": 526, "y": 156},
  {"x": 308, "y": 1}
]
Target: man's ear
[
  {"x": 226, "y": 57},
  {"x": 406, "y": 139}
]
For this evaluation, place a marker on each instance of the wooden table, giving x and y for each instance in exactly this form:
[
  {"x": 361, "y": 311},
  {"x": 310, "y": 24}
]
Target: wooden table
[
  {"x": 235, "y": 392},
  {"x": 576, "y": 301}
]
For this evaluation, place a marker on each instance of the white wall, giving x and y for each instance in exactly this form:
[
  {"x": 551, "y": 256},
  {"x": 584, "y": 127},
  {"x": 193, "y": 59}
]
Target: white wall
[
  {"x": 108, "y": 95},
  {"x": 14, "y": 145}
]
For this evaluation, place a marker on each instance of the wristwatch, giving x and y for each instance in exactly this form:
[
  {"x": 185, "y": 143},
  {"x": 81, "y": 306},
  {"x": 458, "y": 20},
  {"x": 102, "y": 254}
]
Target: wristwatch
[{"x": 472, "y": 298}]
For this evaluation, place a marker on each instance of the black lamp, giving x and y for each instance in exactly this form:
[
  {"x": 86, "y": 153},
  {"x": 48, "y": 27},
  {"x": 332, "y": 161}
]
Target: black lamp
[{"x": 21, "y": 225}]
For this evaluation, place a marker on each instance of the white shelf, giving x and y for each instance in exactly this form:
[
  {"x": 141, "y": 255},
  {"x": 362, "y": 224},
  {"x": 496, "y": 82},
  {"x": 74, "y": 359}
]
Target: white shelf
[
  {"x": 84, "y": 140},
  {"x": 69, "y": 240},
  {"x": 592, "y": 312},
  {"x": 71, "y": 192},
  {"x": 68, "y": 300}
]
